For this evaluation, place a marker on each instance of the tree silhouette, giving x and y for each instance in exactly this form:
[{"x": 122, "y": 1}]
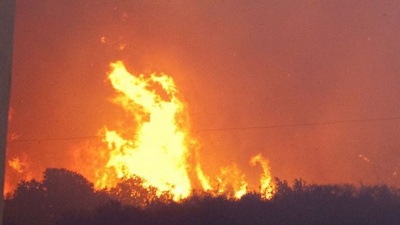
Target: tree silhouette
[
  {"x": 60, "y": 192},
  {"x": 65, "y": 198},
  {"x": 68, "y": 190},
  {"x": 133, "y": 192},
  {"x": 27, "y": 205}
]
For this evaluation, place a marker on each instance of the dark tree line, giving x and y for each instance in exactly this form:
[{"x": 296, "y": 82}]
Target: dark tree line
[{"x": 67, "y": 198}]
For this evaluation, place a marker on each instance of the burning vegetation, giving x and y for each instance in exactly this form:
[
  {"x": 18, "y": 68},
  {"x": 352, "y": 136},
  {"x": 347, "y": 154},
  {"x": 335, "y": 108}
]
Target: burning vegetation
[
  {"x": 66, "y": 197},
  {"x": 158, "y": 148}
]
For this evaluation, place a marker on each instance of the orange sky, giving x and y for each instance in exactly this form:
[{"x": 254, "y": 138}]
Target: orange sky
[{"x": 236, "y": 64}]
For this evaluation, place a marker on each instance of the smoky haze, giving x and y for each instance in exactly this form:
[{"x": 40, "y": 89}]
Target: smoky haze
[{"x": 237, "y": 64}]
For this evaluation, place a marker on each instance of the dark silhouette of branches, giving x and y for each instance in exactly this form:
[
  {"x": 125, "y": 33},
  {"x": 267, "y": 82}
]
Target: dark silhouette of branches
[
  {"x": 64, "y": 198},
  {"x": 60, "y": 192},
  {"x": 134, "y": 192}
]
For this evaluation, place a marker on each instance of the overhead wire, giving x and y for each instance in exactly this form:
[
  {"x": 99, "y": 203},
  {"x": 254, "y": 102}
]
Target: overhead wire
[
  {"x": 53, "y": 139},
  {"x": 300, "y": 124},
  {"x": 226, "y": 129}
]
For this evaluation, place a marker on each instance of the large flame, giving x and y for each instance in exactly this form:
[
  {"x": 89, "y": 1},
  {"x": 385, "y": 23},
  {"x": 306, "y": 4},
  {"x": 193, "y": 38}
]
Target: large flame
[{"x": 157, "y": 150}]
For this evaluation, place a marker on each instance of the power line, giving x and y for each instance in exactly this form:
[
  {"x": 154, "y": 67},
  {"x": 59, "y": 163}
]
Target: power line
[
  {"x": 228, "y": 128},
  {"x": 301, "y": 124},
  {"x": 52, "y": 139}
]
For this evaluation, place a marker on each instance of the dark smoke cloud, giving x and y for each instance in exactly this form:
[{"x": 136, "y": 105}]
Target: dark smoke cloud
[{"x": 237, "y": 64}]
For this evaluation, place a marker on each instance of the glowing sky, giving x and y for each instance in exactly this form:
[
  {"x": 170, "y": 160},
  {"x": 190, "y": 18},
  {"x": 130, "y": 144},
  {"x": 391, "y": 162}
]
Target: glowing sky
[{"x": 237, "y": 64}]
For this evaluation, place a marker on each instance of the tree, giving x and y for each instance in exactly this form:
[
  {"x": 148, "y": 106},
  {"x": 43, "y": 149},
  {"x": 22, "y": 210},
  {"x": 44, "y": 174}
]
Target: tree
[
  {"x": 67, "y": 190},
  {"x": 27, "y": 204},
  {"x": 133, "y": 191},
  {"x": 60, "y": 192}
]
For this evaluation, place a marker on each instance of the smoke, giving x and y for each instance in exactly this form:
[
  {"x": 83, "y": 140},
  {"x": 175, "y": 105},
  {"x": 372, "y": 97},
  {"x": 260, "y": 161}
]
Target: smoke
[{"x": 237, "y": 64}]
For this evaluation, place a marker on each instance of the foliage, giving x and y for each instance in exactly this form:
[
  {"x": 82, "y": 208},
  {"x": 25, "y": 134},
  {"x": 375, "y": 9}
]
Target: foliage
[
  {"x": 134, "y": 192},
  {"x": 65, "y": 197},
  {"x": 60, "y": 192}
]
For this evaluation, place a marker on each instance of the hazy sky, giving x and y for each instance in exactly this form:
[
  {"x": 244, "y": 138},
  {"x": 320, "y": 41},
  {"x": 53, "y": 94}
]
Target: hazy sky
[{"x": 236, "y": 63}]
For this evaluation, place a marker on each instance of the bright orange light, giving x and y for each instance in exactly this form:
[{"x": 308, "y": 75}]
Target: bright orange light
[
  {"x": 103, "y": 39},
  {"x": 16, "y": 164},
  {"x": 156, "y": 148},
  {"x": 267, "y": 187},
  {"x": 231, "y": 182},
  {"x": 157, "y": 151},
  {"x": 204, "y": 180}
]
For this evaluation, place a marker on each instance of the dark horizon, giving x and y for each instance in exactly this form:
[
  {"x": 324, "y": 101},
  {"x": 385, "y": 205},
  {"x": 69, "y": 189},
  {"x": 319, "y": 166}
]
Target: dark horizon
[{"x": 66, "y": 197}]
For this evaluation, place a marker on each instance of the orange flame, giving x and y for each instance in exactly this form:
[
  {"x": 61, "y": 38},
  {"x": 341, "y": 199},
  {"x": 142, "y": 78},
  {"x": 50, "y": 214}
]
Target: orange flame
[
  {"x": 157, "y": 150},
  {"x": 16, "y": 164},
  {"x": 19, "y": 169},
  {"x": 204, "y": 180},
  {"x": 267, "y": 186},
  {"x": 231, "y": 182}
]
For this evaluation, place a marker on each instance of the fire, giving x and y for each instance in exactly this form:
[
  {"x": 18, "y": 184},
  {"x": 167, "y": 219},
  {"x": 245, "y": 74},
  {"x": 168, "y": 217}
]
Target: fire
[
  {"x": 204, "y": 180},
  {"x": 158, "y": 148},
  {"x": 232, "y": 182},
  {"x": 18, "y": 168},
  {"x": 157, "y": 151},
  {"x": 16, "y": 164},
  {"x": 267, "y": 186}
]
